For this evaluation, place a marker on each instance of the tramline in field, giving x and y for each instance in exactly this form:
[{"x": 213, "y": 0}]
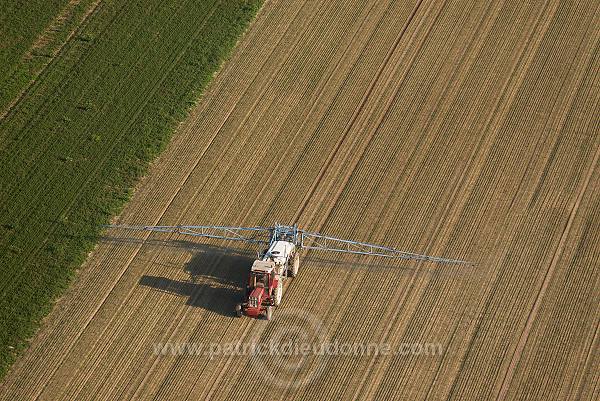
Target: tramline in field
[{"x": 281, "y": 259}]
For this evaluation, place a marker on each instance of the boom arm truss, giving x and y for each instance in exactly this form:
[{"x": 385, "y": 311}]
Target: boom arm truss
[
  {"x": 332, "y": 244},
  {"x": 256, "y": 235},
  {"x": 301, "y": 238}
]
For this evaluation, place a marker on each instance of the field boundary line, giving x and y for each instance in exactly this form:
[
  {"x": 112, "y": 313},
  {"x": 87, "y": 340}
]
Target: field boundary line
[
  {"x": 178, "y": 56},
  {"x": 140, "y": 246}
]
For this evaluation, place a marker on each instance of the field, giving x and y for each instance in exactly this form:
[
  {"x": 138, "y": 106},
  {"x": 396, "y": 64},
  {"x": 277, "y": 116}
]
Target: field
[
  {"x": 74, "y": 140},
  {"x": 460, "y": 128}
]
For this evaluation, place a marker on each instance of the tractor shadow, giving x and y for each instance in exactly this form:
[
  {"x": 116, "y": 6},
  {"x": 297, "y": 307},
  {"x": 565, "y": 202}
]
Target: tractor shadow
[
  {"x": 216, "y": 275},
  {"x": 216, "y": 282}
]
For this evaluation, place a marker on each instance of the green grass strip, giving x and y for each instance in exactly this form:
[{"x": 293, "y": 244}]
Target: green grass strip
[{"x": 73, "y": 147}]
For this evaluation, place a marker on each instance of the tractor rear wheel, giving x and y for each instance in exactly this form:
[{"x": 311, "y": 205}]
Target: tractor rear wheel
[
  {"x": 269, "y": 312},
  {"x": 293, "y": 271}
]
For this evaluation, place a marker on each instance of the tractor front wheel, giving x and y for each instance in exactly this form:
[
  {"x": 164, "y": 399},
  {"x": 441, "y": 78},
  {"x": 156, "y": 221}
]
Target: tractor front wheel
[
  {"x": 278, "y": 293},
  {"x": 269, "y": 312}
]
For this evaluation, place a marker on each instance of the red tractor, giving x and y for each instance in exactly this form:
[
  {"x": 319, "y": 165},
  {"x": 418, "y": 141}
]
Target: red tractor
[{"x": 262, "y": 293}]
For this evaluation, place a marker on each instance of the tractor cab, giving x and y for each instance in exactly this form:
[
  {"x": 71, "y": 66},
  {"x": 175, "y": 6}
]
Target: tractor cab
[
  {"x": 261, "y": 275},
  {"x": 262, "y": 267},
  {"x": 258, "y": 280}
]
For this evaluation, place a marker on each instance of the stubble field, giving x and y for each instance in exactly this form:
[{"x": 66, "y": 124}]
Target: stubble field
[{"x": 458, "y": 128}]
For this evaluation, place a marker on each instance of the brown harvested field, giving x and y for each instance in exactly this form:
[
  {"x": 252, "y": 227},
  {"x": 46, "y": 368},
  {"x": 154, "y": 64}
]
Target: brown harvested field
[{"x": 466, "y": 129}]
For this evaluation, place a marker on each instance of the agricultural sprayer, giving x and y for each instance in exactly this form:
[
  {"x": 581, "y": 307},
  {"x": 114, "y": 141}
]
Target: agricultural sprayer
[{"x": 280, "y": 257}]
